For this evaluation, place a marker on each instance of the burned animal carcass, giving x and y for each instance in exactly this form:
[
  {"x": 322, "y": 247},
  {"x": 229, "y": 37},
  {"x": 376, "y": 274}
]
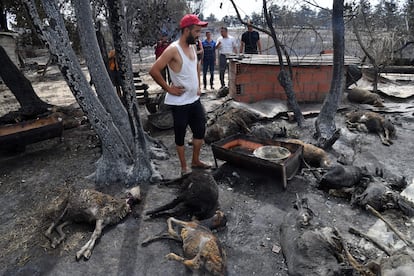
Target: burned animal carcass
[
  {"x": 312, "y": 154},
  {"x": 368, "y": 121},
  {"x": 202, "y": 249},
  {"x": 310, "y": 248},
  {"x": 90, "y": 206},
  {"x": 198, "y": 196},
  {"x": 364, "y": 96},
  {"x": 227, "y": 122},
  {"x": 341, "y": 177}
]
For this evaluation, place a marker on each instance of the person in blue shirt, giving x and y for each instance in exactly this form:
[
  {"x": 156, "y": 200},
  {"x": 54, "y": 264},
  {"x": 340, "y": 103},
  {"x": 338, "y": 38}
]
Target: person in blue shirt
[{"x": 209, "y": 59}]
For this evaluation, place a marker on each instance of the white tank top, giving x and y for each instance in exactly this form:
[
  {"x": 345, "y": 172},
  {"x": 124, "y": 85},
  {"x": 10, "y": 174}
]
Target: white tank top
[{"x": 187, "y": 77}]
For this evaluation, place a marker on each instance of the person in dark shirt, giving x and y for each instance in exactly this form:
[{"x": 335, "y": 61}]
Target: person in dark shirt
[
  {"x": 250, "y": 41},
  {"x": 160, "y": 47},
  {"x": 209, "y": 59}
]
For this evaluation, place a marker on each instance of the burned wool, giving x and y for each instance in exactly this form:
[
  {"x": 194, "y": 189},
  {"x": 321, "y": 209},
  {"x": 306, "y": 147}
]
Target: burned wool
[
  {"x": 340, "y": 176},
  {"x": 198, "y": 196}
]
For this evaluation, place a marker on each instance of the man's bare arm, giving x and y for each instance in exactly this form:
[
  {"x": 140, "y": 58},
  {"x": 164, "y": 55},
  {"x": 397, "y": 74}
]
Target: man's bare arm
[{"x": 155, "y": 72}]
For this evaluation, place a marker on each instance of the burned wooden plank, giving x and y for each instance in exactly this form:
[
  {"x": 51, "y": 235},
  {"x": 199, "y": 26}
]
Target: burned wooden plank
[{"x": 29, "y": 132}]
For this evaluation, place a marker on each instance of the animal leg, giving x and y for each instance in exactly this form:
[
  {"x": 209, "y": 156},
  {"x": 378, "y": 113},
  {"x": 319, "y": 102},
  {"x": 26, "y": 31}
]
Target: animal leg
[
  {"x": 49, "y": 231},
  {"x": 62, "y": 235},
  {"x": 86, "y": 250},
  {"x": 171, "y": 230},
  {"x": 383, "y": 139},
  {"x": 174, "y": 257},
  {"x": 194, "y": 263},
  {"x": 158, "y": 237},
  {"x": 387, "y": 135},
  {"x": 172, "y": 204}
]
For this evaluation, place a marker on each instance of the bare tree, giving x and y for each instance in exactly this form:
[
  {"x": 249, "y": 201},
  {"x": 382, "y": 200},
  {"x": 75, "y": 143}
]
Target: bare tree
[
  {"x": 30, "y": 104},
  {"x": 326, "y": 132},
  {"x": 285, "y": 75},
  {"x": 125, "y": 148}
]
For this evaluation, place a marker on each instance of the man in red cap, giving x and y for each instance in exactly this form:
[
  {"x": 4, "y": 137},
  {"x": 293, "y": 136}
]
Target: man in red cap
[{"x": 183, "y": 94}]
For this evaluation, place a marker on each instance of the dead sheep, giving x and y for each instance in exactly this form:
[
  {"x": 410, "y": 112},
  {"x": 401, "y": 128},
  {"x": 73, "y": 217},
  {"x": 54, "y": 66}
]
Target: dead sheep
[
  {"x": 313, "y": 155},
  {"x": 231, "y": 122},
  {"x": 310, "y": 248},
  {"x": 90, "y": 206},
  {"x": 364, "y": 96},
  {"x": 341, "y": 177},
  {"x": 198, "y": 196},
  {"x": 378, "y": 195},
  {"x": 202, "y": 249},
  {"x": 368, "y": 121}
]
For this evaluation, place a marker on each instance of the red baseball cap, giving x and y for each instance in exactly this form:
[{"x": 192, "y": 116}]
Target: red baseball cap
[{"x": 191, "y": 19}]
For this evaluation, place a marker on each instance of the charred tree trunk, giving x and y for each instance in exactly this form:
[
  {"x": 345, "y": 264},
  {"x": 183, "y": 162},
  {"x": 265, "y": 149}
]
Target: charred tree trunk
[
  {"x": 102, "y": 45},
  {"x": 285, "y": 76},
  {"x": 326, "y": 132},
  {"x": 20, "y": 86},
  {"x": 124, "y": 159}
]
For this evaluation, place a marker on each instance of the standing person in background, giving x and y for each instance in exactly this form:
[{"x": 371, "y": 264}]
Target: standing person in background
[
  {"x": 250, "y": 41},
  {"x": 183, "y": 94},
  {"x": 114, "y": 72},
  {"x": 209, "y": 59},
  {"x": 226, "y": 45},
  {"x": 160, "y": 47}
]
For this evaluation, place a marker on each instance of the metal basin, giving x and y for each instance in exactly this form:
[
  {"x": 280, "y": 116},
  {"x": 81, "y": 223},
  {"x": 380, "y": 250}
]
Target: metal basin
[{"x": 272, "y": 153}]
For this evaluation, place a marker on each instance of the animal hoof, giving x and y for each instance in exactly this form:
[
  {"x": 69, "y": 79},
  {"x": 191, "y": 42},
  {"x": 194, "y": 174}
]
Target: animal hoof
[{"x": 170, "y": 256}]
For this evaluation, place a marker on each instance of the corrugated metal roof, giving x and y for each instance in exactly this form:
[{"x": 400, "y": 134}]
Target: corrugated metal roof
[{"x": 309, "y": 60}]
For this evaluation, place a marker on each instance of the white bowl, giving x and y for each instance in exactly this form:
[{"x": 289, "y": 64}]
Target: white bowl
[{"x": 272, "y": 153}]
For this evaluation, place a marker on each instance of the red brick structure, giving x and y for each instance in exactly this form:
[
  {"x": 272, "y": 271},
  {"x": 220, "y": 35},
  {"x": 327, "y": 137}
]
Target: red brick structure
[{"x": 254, "y": 78}]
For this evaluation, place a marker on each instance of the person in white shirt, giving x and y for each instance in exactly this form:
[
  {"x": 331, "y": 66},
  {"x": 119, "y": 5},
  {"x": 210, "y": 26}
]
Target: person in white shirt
[
  {"x": 226, "y": 45},
  {"x": 183, "y": 95}
]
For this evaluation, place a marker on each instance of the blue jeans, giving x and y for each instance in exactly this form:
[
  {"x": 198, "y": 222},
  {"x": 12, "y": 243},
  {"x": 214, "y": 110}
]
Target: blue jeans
[{"x": 208, "y": 64}]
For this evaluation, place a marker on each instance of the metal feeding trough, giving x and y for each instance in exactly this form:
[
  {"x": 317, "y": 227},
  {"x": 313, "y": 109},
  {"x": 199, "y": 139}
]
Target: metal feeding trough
[{"x": 281, "y": 159}]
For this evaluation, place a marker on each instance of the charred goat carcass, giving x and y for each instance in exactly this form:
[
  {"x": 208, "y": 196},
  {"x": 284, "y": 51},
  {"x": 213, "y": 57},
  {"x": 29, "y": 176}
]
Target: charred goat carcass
[
  {"x": 383, "y": 194},
  {"x": 312, "y": 154},
  {"x": 198, "y": 196},
  {"x": 228, "y": 122},
  {"x": 364, "y": 96},
  {"x": 341, "y": 177},
  {"x": 310, "y": 248},
  {"x": 202, "y": 250},
  {"x": 91, "y": 206},
  {"x": 368, "y": 121}
]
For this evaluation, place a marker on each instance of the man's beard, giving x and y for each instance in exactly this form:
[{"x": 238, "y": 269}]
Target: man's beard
[{"x": 191, "y": 39}]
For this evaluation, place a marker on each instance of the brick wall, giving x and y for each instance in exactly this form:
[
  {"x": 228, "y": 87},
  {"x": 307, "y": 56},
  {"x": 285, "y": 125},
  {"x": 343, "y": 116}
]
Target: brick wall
[{"x": 254, "y": 82}]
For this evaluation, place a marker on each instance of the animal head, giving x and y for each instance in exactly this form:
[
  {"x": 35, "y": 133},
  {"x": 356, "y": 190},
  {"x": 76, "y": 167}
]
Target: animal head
[
  {"x": 305, "y": 214},
  {"x": 354, "y": 116},
  {"x": 378, "y": 102},
  {"x": 390, "y": 127},
  {"x": 133, "y": 195},
  {"x": 218, "y": 220},
  {"x": 214, "y": 133}
]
